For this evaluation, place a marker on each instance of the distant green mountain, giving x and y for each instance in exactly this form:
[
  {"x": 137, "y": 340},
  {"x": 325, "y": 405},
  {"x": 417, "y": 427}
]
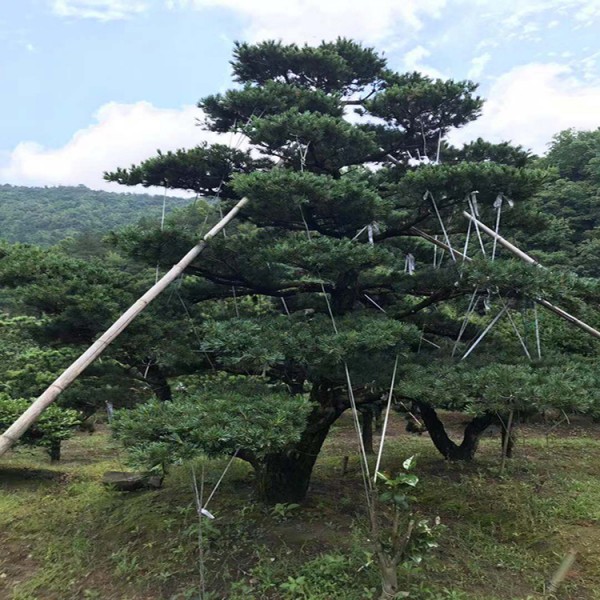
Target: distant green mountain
[{"x": 47, "y": 215}]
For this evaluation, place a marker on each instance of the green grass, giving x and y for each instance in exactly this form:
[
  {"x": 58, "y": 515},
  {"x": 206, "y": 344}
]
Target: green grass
[{"x": 64, "y": 536}]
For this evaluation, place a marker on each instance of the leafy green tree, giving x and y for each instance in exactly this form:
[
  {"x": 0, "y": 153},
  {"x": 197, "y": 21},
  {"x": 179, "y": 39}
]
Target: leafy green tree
[
  {"x": 219, "y": 414},
  {"x": 568, "y": 202},
  {"x": 492, "y": 392},
  {"x": 24, "y": 367},
  {"x": 326, "y": 238},
  {"x": 54, "y": 425}
]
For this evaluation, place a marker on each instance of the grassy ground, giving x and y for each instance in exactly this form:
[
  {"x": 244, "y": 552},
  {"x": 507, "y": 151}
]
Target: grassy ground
[{"x": 63, "y": 536}]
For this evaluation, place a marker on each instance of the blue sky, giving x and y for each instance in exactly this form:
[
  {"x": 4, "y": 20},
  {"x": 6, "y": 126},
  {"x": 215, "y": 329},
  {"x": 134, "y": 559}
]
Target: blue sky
[{"x": 89, "y": 85}]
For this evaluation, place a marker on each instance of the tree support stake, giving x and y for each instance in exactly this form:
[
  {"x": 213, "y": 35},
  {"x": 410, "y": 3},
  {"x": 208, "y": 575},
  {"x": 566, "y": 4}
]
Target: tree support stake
[
  {"x": 563, "y": 314},
  {"x": 24, "y": 422}
]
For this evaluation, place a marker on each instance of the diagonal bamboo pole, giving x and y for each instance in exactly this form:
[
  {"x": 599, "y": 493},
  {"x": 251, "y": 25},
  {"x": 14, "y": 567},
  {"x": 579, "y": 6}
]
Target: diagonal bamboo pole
[
  {"x": 22, "y": 424},
  {"x": 563, "y": 314},
  {"x": 438, "y": 243},
  {"x": 510, "y": 247}
]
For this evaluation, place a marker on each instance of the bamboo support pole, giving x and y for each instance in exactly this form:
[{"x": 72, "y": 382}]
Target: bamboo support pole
[
  {"x": 438, "y": 243},
  {"x": 561, "y": 572},
  {"x": 568, "y": 317},
  {"x": 563, "y": 314},
  {"x": 510, "y": 247},
  {"x": 20, "y": 426}
]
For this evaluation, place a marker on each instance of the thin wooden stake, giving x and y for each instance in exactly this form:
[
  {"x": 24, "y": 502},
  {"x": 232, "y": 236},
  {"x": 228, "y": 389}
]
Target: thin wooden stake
[
  {"x": 199, "y": 497},
  {"x": 385, "y": 420},
  {"x": 499, "y": 209},
  {"x": 437, "y": 212},
  {"x": 472, "y": 200},
  {"x": 485, "y": 332},
  {"x": 22, "y": 424},
  {"x": 538, "y": 343}
]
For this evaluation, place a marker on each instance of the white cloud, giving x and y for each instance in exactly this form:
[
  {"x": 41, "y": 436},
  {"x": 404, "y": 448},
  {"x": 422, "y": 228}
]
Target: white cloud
[
  {"x": 516, "y": 18},
  {"x": 121, "y": 134},
  {"x": 101, "y": 10},
  {"x": 531, "y": 103},
  {"x": 412, "y": 61},
  {"x": 588, "y": 11},
  {"x": 478, "y": 64},
  {"x": 315, "y": 20},
  {"x": 589, "y": 66},
  {"x": 413, "y": 57}
]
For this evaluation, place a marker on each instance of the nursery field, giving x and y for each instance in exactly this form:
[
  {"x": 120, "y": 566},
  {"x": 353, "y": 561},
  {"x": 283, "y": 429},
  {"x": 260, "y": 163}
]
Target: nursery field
[{"x": 64, "y": 536}]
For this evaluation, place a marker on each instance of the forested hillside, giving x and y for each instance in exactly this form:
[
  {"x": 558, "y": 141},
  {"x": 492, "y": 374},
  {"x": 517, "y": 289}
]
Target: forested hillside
[{"x": 46, "y": 215}]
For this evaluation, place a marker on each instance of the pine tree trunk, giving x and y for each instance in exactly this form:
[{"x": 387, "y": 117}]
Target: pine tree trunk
[
  {"x": 366, "y": 429},
  {"x": 449, "y": 449},
  {"x": 54, "y": 451},
  {"x": 158, "y": 382},
  {"x": 284, "y": 477}
]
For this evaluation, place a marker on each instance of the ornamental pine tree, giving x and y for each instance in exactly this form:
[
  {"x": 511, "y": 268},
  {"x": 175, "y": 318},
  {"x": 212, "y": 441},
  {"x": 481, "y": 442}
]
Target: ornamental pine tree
[{"x": 340, "y": 163}]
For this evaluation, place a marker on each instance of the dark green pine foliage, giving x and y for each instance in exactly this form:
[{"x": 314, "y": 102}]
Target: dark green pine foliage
[
  {"x": 331, "y": 132},
  {"x": 69, "y": 302}
]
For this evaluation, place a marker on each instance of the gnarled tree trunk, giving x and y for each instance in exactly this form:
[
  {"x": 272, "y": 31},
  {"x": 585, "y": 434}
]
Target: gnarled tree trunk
[
  {"x": 468, "y": 447},
  {"x": 284, "y": 476}
]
